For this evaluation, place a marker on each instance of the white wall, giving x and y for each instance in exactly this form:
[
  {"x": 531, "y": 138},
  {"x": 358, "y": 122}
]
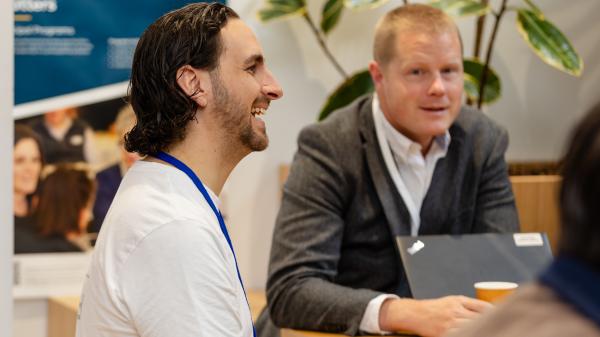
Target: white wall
[
  {"x": 538, "y": 107},
  {"x": 6, "y": 136}
]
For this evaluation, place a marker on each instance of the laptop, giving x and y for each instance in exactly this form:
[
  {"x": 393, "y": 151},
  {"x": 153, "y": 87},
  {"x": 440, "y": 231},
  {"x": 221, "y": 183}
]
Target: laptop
[{"x": 441, "y": 265}]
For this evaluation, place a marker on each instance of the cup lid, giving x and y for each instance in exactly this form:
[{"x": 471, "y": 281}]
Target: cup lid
[{"x": 495, "y": 285}]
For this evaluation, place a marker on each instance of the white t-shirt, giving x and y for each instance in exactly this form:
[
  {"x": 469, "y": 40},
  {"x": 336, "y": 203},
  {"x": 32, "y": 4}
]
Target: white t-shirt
[{"x": 161, "y": 266}]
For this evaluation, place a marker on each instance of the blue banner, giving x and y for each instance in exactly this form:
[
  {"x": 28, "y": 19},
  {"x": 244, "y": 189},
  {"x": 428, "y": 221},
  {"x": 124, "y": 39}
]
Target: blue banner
[{"x": 68, "y": 46}]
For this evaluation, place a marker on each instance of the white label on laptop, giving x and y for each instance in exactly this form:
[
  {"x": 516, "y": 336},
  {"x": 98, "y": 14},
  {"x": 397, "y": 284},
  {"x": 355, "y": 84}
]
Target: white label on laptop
[
  {"x": 416, "y": 247},
  {"x": 528, "y": 239}
]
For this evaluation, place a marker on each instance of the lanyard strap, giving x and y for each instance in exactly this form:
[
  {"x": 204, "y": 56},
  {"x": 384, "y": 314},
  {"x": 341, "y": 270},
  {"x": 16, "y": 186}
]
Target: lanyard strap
[
  {"x": 196, "y": 180},
  {"x": 388, "y": 158}
]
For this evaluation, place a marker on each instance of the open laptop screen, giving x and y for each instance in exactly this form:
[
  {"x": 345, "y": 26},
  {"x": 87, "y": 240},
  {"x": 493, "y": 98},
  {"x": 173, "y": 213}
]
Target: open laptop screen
[{"x": 441, "y": 265}]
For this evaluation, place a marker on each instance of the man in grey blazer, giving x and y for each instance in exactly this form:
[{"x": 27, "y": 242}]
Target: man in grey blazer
[{"x": 405, "y": 161}]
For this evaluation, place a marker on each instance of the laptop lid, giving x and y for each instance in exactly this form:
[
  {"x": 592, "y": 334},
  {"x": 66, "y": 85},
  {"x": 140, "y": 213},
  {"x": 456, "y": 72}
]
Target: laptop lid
[{"x": 441, "y": 265}]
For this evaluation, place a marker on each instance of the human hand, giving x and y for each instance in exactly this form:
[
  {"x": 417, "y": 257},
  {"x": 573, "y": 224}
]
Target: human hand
[{"x": 430, "y": 318}]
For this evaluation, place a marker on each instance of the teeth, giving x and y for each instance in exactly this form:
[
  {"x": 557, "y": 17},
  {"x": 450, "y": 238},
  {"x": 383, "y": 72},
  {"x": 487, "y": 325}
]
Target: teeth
[{"x": 258, "y": 111}]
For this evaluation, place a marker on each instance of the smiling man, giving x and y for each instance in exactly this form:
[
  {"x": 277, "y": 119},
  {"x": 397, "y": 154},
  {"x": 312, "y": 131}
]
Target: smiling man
[
  {"x": 407, "y": 160},
  {"x": 164, "y": 264}
]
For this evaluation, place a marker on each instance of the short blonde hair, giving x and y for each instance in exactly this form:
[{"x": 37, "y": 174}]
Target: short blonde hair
[{"x": 408, "y": 19}]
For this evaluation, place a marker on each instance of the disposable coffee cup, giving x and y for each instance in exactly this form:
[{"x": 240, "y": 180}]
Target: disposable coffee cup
[{"x": 494, "y": 291}]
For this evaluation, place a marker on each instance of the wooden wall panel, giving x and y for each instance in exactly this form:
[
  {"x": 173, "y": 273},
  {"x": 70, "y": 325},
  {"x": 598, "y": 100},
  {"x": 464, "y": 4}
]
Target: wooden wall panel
[{"x": 537, "y": 203}]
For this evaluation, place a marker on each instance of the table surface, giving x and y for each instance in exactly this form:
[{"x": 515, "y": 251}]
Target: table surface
[
  {"x": 302, "y": 333},
  {"x": 256, "y": 298},
  {"x": 62, "y": 312}
]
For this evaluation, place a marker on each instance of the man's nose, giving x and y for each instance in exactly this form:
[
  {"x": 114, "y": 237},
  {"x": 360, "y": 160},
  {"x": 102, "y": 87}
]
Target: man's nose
[
  {"x": 271, "y": 87},
  {"x": 437, "y": 87}
]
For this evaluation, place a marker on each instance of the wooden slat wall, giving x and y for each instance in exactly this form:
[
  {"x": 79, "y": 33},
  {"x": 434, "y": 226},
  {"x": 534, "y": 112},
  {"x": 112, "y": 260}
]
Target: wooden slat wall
[{"x": 537, "y": 204}]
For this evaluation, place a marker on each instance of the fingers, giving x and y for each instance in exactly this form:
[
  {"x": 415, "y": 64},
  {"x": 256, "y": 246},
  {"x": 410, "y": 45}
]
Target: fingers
[
  {"x": 440, "y": 315},
  {"x": 475, "y": 305},
  {"x": 470, "y": 309},
  {"x": 457, "y": 324},
  {"x": 467, "y": 314},
  {"x": 460, "y": 322}
]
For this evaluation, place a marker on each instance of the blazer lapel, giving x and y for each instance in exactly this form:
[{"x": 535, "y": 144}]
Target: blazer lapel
[{"x": 394, "y": 208}]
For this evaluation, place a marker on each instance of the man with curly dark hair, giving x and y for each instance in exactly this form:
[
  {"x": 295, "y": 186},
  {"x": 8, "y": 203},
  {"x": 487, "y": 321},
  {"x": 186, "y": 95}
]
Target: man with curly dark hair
[{"x": 164, "y": 264}]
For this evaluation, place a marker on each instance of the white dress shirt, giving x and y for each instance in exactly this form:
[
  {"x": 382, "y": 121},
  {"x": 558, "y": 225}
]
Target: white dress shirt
[{"x": 411, "y": 173}]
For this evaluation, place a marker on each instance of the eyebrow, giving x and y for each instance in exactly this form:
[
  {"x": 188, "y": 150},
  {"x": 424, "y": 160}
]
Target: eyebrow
[{"x": 254, "y": 58}]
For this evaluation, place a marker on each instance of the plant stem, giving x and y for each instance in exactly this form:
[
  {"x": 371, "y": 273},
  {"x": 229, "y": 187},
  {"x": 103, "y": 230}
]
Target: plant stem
[
  {"x": 321, "y": 41},
  {"x": 479, "y": 35},
  {"x": 480, "y": 27},
  {"x": 488, "y": 57}
]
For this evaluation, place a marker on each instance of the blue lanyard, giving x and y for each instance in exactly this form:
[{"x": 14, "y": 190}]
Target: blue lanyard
[{"x": 185, "y": 169}]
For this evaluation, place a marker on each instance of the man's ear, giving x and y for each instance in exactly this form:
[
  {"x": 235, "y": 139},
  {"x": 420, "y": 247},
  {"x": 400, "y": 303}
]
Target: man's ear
[
  {"x": 193, "y": 82},
  {"x": 376, "y": 73}
]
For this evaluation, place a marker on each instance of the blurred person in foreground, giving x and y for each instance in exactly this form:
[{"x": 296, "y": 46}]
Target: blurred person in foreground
[
  {"x": 108, "y": 180},
  {"x": 62, "y": 214},
  {"x": 164, "y": 264},
  {"x": 565, "y": 301},
  {"x": 408, "y": 160},
  {"x": 27, "y": 168}
]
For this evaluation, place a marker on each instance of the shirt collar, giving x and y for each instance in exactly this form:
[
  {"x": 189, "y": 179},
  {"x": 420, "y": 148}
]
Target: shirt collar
[{"x": 402, "y": 146}]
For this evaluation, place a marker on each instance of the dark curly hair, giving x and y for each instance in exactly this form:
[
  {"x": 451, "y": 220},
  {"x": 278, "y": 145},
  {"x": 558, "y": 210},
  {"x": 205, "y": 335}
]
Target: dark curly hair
[
  {"x": 187, "y": 36},
  {"x": 580, "y": 215}
]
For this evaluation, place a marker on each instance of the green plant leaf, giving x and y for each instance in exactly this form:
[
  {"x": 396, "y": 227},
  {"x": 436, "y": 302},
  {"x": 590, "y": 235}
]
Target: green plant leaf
[
  {"x": 357, "y": 85},
  {"x": 471, "y": 87},
  {"x": 363, "y": 4},
  {"x": 534, "y": 8},
  {"x": 279, "y": 9},
  {"x": 459, "y": 8},
  {"x": 332, "y": 11},
  {"x": 473, "y": 70},
  {"x": 548, "y": 42}
]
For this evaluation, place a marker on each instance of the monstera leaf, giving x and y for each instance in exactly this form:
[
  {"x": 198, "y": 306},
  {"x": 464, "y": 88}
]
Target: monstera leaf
[
  {"x": 357, "y": 85},
  {"x": 459, "y": 8},
  {"x": 332, "y": 11},
  {"x": 548, "y": 42},
  {"x": 473, "y": 71},
  {"x": 279, "y": 9}
]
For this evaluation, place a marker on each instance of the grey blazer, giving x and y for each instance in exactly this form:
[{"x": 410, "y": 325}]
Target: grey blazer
[{"x": 333, "y": 246}]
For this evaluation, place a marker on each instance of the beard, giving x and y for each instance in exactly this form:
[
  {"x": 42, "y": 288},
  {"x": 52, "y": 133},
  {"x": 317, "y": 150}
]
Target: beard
[{"x": 235, "y": 119}]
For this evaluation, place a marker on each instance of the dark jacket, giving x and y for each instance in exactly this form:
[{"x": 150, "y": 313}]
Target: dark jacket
[
  {"x": 107, "y": 184},
  {"x": 27, "y": 239},
  {"x": 69, "y": 149},
  {"x": 333, "y": 246}
]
